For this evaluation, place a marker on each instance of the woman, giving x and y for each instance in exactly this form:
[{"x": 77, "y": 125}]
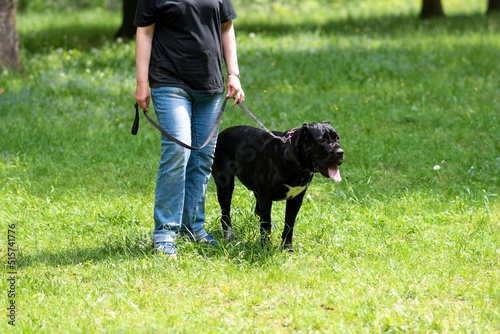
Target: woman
[{"x": 180, "y": 48}]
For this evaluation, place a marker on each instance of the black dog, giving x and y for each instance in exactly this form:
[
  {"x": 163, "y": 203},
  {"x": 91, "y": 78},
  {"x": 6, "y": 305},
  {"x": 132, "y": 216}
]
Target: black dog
[{"x": 274, "y": 170}]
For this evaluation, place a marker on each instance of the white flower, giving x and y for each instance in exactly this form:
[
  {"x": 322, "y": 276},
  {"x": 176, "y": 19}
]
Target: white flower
[{"x": 437, "y": 167}]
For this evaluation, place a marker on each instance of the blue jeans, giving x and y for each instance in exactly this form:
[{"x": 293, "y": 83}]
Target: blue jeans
[{"x": 183, "y": 174}]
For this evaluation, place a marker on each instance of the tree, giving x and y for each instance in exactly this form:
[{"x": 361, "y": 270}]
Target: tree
[
  {"x": 9, "y": 39},
  {"x": 127, "y": 30},
  {"x": 431, "y": 8},
  {"x": 493, "y": 6}
]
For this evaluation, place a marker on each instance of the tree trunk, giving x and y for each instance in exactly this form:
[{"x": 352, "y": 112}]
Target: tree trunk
[
  {"x": 493, "y": 6},
  {"x": 431, "y": 8},
  {"x": 9, "y": 39},
  {"x": 128, "y": 28}
]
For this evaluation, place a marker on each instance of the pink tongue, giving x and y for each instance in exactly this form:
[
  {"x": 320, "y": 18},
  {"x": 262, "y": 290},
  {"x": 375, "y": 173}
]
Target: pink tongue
[{"x": 334, "y": 173}]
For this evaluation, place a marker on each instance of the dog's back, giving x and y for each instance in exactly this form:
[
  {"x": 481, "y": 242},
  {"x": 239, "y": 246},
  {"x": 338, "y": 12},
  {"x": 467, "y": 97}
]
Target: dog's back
[{"x": 241, "y": 137}]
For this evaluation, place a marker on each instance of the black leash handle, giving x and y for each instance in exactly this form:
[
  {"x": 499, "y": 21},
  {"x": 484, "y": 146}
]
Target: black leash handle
[{"x": 135, "y": 126}]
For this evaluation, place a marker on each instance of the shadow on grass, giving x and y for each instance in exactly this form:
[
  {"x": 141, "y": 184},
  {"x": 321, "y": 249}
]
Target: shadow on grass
[
  {"x": 244, "y": 251},
  {"x": 79, "y": 35},
  {"x": 240, "y": 252},
  {"x": 383, "y": 25},
  {"x": 68, "y": 36},
  {"x": 114, "y": 251}
]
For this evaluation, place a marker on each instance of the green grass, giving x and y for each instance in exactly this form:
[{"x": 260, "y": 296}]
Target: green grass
[{"x": 397, "y": 246}]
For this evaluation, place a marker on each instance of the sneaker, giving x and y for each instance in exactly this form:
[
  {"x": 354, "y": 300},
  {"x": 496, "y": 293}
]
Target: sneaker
[
  {"x": 201, "y": 236},
  {"x": 210, "y": 240},
  {"x": 167, "y": 248}
]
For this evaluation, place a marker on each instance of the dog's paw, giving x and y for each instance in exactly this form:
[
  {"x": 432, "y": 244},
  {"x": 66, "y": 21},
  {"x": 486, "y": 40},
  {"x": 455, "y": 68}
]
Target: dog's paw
[
  {"x": 287, "y": 248},
  {"x": 229, "y": 235}
]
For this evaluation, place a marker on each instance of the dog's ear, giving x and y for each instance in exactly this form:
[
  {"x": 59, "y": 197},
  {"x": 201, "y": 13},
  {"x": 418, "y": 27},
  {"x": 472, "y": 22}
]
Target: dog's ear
[
  {"x": 304, "y": 130},
  {"x": 326, "y": 122}
]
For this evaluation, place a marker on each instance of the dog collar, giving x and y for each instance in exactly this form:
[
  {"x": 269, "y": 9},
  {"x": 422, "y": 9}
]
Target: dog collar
[{"x": 291, "y": 152}]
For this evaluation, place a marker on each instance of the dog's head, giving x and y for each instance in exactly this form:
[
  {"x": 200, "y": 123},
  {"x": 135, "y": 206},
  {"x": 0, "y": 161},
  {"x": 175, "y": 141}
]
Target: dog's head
[{"x": 317, "y": 146}]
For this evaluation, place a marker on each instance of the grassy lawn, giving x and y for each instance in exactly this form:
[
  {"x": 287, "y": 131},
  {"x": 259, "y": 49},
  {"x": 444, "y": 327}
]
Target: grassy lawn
[{"x": 408, "y": 242}]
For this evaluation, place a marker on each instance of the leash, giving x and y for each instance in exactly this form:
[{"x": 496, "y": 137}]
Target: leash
[
  {"x": 262, "y": 126},
  {"x": 135, "y": 126}
]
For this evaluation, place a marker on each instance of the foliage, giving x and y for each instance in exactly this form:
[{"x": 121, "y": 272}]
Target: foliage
[
  {"x": 407, "y": 242},
  {"x": 52, "y": 6},
  {"x": 264, "y": 6}
]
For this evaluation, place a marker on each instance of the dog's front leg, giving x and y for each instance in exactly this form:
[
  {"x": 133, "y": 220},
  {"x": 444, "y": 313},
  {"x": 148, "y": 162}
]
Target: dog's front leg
[{"x": 292, "y": 209}]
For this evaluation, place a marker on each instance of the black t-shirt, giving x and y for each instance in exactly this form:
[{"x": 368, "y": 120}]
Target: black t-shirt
[{"x": 187, "y": 46}]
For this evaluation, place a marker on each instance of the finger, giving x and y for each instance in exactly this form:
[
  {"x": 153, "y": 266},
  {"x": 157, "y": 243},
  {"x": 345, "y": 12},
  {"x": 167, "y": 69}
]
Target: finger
[
  {"x": 236, "y": 99},
  {"x": 144, "y": 106}
]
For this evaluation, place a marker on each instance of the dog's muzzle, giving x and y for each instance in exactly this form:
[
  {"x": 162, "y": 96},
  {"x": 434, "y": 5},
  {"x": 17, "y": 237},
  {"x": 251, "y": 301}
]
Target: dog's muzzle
[{"x": 331, "y": 170}]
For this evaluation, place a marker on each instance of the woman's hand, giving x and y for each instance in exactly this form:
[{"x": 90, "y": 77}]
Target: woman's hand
[
  {"x": 142, "y": 96},
  {"x": 234, "y": 89}
]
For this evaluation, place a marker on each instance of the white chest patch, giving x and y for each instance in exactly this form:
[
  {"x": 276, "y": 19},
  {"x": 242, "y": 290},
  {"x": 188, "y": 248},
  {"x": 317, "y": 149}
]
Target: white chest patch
[{"x": 294, "y": 191}]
